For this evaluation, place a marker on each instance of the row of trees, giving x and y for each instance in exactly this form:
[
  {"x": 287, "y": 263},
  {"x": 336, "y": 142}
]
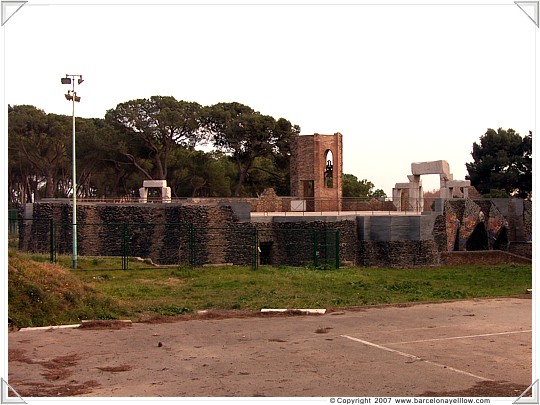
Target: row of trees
[
  {"x": 149, "y": 139},
  {"x": 153, "y": 138}
]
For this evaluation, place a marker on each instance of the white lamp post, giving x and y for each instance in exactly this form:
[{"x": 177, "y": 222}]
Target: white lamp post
[{"x": 72, "y": 96}]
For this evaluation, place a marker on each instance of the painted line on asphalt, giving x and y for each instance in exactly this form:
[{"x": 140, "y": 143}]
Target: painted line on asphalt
[
  {"x": 414, "y": 357},
  {"x": 460, "y": 337}
]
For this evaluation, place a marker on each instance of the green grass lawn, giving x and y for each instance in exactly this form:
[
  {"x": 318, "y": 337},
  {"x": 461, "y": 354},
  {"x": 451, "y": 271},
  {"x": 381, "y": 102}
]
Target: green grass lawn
[{"x": 174, "y": 290}]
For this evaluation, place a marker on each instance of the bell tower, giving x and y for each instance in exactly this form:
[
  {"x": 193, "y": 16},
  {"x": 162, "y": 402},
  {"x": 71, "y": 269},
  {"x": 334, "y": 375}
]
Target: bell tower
[{"x": 317, "y": 171}]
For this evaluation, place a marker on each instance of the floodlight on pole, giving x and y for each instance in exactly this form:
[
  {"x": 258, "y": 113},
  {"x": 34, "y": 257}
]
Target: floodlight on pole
[{"x": 72, "y": 96}]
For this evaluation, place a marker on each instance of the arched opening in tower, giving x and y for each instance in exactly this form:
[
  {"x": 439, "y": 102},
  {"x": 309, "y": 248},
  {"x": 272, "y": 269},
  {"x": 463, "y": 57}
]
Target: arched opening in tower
[{"x": 329, "y": 169}]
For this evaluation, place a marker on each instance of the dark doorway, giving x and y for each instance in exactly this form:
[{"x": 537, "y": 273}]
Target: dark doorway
[
  {"x": 478, "y": 239},
  {"x": 456, "y": 241},
  {"x": 501, "y": 243},
  {"x": 265, "y": 253},
  {"x": 309, "y": 194}
]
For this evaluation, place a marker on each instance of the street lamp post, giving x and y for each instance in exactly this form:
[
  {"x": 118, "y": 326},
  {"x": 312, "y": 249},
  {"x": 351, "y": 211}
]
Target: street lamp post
[{"x": 72, "y": 96}]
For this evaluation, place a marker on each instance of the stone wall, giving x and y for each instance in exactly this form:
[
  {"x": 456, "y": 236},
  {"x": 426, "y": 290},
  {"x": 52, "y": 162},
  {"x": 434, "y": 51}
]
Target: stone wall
[
  {"x": 166, "y": 233},
  {"x": 486, "y": 257},
  {"x": 460, "y": 222},
  {"x": 176, "y": 234},
  {"x": 523, "y": 249},
  {"x": 216, "y": 234},
  {"x": 406, "y": 253}
]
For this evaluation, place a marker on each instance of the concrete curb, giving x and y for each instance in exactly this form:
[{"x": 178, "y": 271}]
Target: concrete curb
[
  {"x": 51, "y": 327},
  {"x": 306, "y": 311}
]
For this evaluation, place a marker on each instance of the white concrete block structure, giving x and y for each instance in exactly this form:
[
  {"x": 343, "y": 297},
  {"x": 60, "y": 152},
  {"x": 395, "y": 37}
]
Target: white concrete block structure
[
  {"x": 161, "y": 184},
  {"x": 414, "y": 186}
]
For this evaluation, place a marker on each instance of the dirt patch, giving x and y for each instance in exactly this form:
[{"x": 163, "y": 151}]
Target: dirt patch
[
  {"x": 37, "y": 389},
  {"x": 18, "y": 355},
  {"x": 58, "y": 368},
  {"x": 104, "y": 324},
  {"x": 218, "y": 314},
  {"x": 485, "y": 389}
]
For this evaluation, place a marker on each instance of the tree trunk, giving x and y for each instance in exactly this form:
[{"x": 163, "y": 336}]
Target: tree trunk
[
  {"x": 50, "y": 186},
  {"x": 242, "y": 174}
]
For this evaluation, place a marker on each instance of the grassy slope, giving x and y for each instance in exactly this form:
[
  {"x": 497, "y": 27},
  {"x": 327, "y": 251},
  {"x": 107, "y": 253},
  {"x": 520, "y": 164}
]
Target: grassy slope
[
  {"x": 42, "y": 294},
  {"x": 49, "y": 294}
]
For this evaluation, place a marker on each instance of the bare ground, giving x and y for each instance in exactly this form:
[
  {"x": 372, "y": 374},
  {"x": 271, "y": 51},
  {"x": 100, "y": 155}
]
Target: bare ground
[{"x": 462, "y": 348}]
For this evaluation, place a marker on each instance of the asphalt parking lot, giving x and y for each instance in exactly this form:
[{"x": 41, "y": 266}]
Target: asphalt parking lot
[{"x": 462, "y": 348}]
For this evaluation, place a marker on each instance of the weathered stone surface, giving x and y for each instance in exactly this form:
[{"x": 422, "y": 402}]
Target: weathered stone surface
[
  {"x": 434, "y": 167},
  {"x": 484, "y": 257},
  {"x": 407, "y": 253},
  {"x": 213, "y": 233}
]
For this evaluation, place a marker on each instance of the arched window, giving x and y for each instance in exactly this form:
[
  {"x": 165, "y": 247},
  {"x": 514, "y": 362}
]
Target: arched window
[{"x": 328, "y": 169}]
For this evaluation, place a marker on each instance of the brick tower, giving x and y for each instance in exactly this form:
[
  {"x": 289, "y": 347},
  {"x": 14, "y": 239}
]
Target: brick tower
[{"x": 317, "y": 170}]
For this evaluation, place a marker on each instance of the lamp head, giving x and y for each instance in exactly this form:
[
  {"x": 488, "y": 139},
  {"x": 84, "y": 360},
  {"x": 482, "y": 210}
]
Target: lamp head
[
  {"x": 66, "y": 80},
  {"x": 80, "y": 80}
]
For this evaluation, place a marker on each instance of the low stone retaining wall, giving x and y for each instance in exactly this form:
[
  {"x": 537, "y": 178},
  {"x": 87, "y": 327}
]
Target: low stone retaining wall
[
  {"x": 523, "y": 249},
  {"x": 484, "y": 257}
]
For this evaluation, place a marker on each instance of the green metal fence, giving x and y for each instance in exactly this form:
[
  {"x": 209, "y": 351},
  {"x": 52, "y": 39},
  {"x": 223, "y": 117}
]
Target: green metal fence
[{"x": 181, "y": 244}]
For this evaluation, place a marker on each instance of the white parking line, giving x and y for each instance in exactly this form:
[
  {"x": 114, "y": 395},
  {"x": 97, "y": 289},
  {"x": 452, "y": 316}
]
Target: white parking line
[
  {"x": 412, "y": 356},
  {"x": 460, "y": 337}
]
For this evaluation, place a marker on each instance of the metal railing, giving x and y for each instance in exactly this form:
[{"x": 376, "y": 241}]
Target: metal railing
[{"x": 288, "y": 204}]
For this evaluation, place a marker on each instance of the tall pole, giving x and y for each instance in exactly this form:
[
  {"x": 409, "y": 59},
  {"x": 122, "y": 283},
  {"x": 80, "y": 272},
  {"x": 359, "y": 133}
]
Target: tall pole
[
  {"x": 72, "y": 96},
  {"x": 74, "y": 158}
]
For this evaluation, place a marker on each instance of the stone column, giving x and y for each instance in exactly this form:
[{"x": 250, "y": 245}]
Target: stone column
[
  {"x": 396, "y": 197},
  {"x": 143, "y": 195},
  {"x": 415, "y": 192},
  {"x": 165, "y": 194}
]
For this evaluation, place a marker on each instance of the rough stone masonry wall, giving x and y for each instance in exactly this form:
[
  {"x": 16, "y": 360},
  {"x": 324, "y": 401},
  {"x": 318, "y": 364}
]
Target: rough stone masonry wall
[
  {"x": 176, "y": 234},
  {"x": 459, "y": 220},
  {"x": 400, "y": 254},
  {"x": 523, "y": 249},
  {"x": 296, "y": 242},
  {"x": 166, "y": 233},
  {"x": 203, "y": 234},
  {"x": 485, "y": 257}
]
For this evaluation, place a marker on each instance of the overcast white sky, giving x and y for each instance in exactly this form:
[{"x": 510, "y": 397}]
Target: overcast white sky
[{"x": 402, "y": 83}]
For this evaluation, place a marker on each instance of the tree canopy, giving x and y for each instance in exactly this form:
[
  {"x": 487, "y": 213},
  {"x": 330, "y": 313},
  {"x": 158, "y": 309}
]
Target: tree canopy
[
  {"x": 352, "y": 187},
  {"x": 502, "y": 164},
  {"x": 160, "y": 124},
  {"x": 246, "y": 134}
]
